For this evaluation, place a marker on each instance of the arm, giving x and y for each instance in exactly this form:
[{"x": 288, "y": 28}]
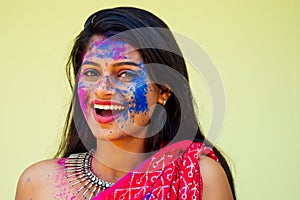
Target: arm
[{"x": 215, "y": 183}]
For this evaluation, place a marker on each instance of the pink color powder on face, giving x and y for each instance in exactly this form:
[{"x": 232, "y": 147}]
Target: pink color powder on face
[
  {"x": 80, "y": 76},
  {"x": 82, "y": 93},
  {"x": 107, "y": 49},
  {"x": 97, "y": 43},
  {"x": 119, "y": 57},
  {"x": 83, "y": 57}
]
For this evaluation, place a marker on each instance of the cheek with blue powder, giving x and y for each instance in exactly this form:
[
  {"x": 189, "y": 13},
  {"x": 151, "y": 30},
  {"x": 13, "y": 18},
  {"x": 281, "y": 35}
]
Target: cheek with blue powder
[{"x": 137, "y": 93}]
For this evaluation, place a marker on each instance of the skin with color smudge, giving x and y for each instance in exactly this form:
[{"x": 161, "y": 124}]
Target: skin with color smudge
[
  {"x": 63, "y": 189},
  {"x": 113, "y": 71}
]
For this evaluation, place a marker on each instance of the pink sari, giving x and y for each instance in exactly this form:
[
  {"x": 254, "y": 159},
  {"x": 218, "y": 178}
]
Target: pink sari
[{"x": 172, "y": 173}]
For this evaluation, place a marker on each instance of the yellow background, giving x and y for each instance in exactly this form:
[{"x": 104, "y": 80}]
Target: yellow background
[{"x": 254, "y": 44}]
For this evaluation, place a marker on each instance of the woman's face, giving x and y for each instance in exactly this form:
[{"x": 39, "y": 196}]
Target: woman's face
[{"x": 115, "y": 92}]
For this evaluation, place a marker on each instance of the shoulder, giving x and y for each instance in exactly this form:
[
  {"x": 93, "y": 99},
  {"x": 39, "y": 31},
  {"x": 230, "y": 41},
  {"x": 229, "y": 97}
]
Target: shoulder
[
  {"x": 215, "y": 182},
  {"x": 38, "y": 178},
  {"x": 38, "y": 171}
]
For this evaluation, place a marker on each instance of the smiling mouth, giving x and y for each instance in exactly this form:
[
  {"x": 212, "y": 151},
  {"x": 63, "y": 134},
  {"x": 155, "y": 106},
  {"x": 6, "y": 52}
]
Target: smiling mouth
[{"x": 108, "y": 110}]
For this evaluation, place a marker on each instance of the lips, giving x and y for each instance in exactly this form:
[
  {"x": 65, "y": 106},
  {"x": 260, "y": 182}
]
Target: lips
[{"x": 107, "y": 111}]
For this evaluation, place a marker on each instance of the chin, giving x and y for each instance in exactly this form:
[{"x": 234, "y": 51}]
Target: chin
[{"x": 108, "y": 135}]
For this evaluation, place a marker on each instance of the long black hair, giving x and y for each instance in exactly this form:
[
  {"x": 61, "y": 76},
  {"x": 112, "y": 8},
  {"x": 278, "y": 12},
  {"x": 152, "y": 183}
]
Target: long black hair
[{"x": 150, "y": 31}]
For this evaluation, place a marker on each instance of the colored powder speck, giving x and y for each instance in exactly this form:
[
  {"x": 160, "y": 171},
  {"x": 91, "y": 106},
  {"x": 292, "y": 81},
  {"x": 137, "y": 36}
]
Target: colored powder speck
[
  {"x": 61, "y": 161},
  {"x": 80, "y": 85},
  {"x": 147, "y": 196}
]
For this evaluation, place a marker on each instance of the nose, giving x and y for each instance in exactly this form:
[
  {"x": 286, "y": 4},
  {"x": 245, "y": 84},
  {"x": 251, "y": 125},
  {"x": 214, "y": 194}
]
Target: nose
[{"x": 104, "y": 88}]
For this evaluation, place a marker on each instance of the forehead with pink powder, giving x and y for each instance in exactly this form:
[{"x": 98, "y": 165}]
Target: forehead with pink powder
[{"x": 101, "y": 48}]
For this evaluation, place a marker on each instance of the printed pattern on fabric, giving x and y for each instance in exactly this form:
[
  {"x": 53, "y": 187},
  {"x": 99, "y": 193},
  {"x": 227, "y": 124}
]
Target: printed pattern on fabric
[{"x": 172, "y": 173}]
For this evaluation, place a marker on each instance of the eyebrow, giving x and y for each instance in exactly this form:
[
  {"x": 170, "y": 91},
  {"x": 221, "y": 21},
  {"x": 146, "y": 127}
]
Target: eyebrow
[
  {"x": 90, "y": 63},
  {"x": 114, "y": 64},
  {"x": 126, "y": 63}
]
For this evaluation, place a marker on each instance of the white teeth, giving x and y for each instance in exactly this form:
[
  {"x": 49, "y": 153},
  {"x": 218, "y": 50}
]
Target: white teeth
[
  {"x": 109, "y": 107},
  {"x": 98, "y": 106}
]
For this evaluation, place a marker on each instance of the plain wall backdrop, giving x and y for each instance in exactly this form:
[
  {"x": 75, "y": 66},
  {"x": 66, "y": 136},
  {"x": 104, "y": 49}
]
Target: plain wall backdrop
[{"x": 254, "y": 45}]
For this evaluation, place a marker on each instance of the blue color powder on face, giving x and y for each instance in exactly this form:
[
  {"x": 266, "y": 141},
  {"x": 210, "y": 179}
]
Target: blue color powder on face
[
  {"x": 111, "y": 49},
  {"x": 139, "y": 102},
  {"x": 80, "y": 85},
  {"x": 140, "y": 93}
]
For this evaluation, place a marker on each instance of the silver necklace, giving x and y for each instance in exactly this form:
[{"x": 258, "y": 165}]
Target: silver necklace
[{"x": 78, "y": 170}]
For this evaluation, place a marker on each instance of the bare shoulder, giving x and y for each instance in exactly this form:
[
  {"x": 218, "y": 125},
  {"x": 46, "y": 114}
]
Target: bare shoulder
[
  {"x": 215, "y": 182},
  {"x": 39, "y": 170},
  {"x": 39, "y": 180}
]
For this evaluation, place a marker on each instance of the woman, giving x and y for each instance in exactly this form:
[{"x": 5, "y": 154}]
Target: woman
[{"x": 131, "y": 130}]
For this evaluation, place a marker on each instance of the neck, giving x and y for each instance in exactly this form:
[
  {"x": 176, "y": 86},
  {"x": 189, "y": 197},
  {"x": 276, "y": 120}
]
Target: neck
[{"x": 114, "y": 159}]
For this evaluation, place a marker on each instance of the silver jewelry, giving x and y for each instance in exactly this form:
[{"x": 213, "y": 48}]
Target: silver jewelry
[{"x": 78, "y": 170}]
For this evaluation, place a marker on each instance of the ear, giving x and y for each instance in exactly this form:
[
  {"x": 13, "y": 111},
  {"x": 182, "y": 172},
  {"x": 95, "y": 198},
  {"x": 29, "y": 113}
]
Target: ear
[{"x": 164, "y": 95}]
